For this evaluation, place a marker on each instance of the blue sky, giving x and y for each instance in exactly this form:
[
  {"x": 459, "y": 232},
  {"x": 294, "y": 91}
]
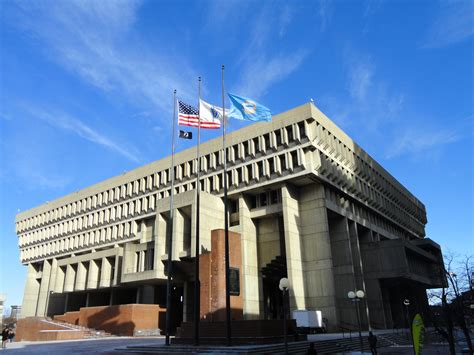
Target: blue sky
[{"x": 86, "y": 91}]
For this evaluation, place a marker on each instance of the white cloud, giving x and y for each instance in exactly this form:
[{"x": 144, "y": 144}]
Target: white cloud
[
  {"x": 96, "y": 41},
  {"x": 324, "y": 13},
  {"x": 286, "y": 16},
  {"x": 418, "y": 141},
  {"x": 454, "y": 24},
  {"x": 260, "y": 68},
  {"x": 263, "y": 72},
  {"x": 360, "y": 79},
  {"x": 76, "y": 126}
]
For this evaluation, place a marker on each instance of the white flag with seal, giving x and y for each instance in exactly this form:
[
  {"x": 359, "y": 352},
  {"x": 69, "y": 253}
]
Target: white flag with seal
[{"x": 211, "y": 116}]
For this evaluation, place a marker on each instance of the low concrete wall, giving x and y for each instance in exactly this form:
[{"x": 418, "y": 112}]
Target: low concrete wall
[
  {"x": 40, "y": 329},
  {"x": 69, "y": 317},
  {"x": 119, "y": 320}
]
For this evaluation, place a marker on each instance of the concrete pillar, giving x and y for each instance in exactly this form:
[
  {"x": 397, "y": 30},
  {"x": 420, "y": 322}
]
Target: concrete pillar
[
  {"x": 147, "y": 294},
  {"x": 60, "y": 276},
  {"x": 30, "y": 296},
  {"x": 70, "y": 277},
  {"x": 117, "y": 269},
  {"x": 178, "y": 233},
  {"x": 81, "y": 277},
  {"x": 66, "y": 302},
  {"x": 43, "y": 295},
  {"x": 317, "y": 254},
  {"x": 141, "y": 261},
  {"x": 93, "y": 279},
  {"x": 105, "y": 273},
  {"x": 160, "y": 244},
  {"x": 188, "y": 298},
  {"x": 378, "y": 304},
  {"x": 293, "y": 246},
  {"x": 251, "y": 282},
  {"x": 359, "y": 272},
  {"x": 343, "y": 269}
]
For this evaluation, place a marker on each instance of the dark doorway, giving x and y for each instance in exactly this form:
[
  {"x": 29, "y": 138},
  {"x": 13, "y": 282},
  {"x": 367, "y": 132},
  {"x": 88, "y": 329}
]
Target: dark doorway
[{"x": 272, "y": 273}]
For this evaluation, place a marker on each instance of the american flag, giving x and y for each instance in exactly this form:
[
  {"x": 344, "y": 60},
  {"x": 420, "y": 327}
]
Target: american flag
[{"x": 189, "y": 116}]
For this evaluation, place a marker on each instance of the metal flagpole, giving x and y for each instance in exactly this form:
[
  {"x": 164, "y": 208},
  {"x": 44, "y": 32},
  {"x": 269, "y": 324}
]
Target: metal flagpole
[
  {"x": 197, "y": 285},
  {"x": 170, "y": 236},
  {"x": 226, "y": 221}
]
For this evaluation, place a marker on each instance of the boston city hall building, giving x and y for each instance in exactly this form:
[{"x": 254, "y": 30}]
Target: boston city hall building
[{"x": 305, "y": 202}]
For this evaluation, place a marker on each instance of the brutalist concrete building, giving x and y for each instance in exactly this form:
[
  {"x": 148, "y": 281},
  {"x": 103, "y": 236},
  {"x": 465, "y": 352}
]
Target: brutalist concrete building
[{"x": 305, "y": 200}]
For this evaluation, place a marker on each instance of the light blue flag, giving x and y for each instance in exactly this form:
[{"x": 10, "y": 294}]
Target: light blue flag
[{"x": 247, "y": 109}]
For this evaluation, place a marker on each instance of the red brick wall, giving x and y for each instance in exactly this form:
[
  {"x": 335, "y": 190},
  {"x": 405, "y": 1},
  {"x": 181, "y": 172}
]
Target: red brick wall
[
  {"x": 69, "y": 317},
  {"x": 119, "y": 320},
  {"x": 212, "y": 277},
  {"x": 36, "y": 329}
]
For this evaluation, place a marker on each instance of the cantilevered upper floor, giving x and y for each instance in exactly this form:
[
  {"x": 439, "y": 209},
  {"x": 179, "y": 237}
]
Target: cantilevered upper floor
[{"x": 301, "y": 145}]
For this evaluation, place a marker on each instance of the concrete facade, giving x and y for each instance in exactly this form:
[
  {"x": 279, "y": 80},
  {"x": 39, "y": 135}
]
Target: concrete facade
[{"x": 307, "y": 201}]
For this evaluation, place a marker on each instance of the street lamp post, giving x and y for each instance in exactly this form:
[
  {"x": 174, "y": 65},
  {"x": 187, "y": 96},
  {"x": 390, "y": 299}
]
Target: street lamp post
[
  {"x": 406, "y": 303},
  {"x": 284, "y": 286},
  {"x": 355, "y": 297}
]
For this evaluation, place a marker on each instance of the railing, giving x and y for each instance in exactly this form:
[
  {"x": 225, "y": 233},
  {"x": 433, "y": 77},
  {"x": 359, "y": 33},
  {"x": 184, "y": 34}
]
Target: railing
[{"x": 346, "y": 328}]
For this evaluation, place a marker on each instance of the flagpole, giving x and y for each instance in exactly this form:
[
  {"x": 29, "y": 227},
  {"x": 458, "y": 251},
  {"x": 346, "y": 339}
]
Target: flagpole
[
  {"x": 170, "y": 236},
  {"x": 197, "y": 298},
  {"x": 226, "y": 221}
]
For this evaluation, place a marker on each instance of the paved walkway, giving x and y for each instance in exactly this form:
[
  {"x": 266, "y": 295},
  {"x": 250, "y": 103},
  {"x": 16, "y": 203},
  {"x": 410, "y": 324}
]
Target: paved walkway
[
  {"x": 85, "y": 346},
  {"x": 110, "y": 346}
]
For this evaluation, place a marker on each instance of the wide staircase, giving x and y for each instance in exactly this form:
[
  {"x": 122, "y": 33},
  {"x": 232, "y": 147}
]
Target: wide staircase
[
  {"x": 328, "y": 346},
  {"x": 46, "y": 329}
]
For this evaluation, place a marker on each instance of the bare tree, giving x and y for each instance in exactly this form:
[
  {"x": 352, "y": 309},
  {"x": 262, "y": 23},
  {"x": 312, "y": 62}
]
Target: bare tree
[{"x": 450, "y": 303}]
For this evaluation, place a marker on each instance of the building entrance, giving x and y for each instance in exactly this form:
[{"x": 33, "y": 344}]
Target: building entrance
[{"x": 272, "y": 273}]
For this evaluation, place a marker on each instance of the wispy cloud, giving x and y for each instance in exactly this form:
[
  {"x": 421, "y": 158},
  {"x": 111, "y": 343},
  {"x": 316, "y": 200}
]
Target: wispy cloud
[
  {"x": 414, "y": 142},
  {"x": 454, "y": 24},
  {"x": 78, "y": 127},
  {"x": 38, "y": 180},
  {"x": 360, "y": 79},
  {"x": 286, "y": 16},
  {"x": 96, "y": 41},
  {"x": 265, "y": 71},
  {"x": 262, "y": 68},
  {"x": 324, "y": 10}
]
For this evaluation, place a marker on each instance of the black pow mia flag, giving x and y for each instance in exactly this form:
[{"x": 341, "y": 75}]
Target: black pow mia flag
[{"x": 185, "y": 135}]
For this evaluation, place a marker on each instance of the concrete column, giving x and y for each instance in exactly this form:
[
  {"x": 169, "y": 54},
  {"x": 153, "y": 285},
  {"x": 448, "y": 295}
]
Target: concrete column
[
  {"x": 93, "y": 279},
  {"x": 293, "y": 246},
  {"x": 147, "y": 294},
  {"x": 344, "y": 276},
  {"x": 137, "y": 298},
  {"x": 30, "y": 296},
  {"x": 81, "y": 277},
  {"x": 178, "y": 234},
  {"x": 105, "y": 274},
  {"x": 59, "y": 283},
  {"x": 188, "y": 294},
  {"x": 251, "y": 282},
  {"x": 43, "y": 295},
  {"x": 379, "y": 308},
  {"x": 117, "y": 269},
  {"x": 317, "y": 254},
  {"x": 160, "y": 244},
  {"x": 66, "y": 301},
  {"x": 70, "y": 277},
  {"x": 359, "y": 271}
]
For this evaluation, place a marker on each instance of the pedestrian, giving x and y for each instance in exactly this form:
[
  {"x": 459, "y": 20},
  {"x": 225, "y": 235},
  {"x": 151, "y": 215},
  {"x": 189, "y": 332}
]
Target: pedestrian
[
  {"x": 311, "y": 350},
  {"x": 11, "y": 335},
  {"x": 4, "y": 337},
  {"x": 373, "y": 343}
]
